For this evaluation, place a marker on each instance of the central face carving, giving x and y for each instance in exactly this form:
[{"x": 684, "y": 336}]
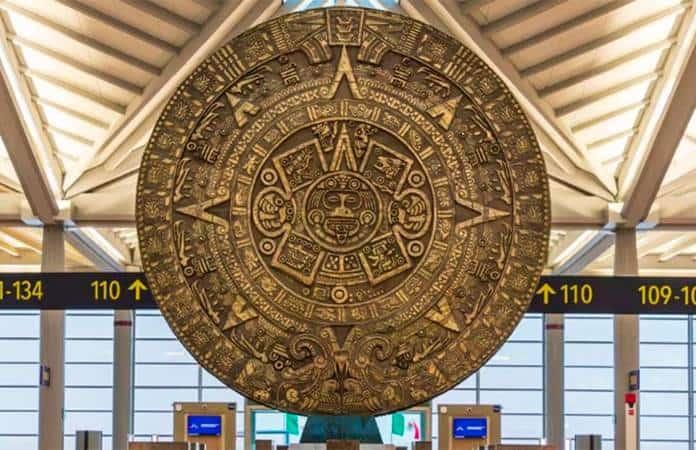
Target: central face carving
[{"x": 342, "y": 211}]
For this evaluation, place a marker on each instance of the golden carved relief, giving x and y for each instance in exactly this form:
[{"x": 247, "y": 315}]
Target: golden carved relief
[{"x": 343, "y": 211}]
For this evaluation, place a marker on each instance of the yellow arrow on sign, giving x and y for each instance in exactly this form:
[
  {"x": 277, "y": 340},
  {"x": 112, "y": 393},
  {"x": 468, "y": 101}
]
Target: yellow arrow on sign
[
  {"x": 137, "y": 286},
  {"x": 546, "y": 290}
]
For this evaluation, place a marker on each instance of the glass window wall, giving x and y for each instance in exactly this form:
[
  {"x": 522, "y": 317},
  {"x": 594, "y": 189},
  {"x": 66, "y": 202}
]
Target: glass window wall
[
  {"x": 664, "y": 366},
  {"x": 19, "y": 376},
  {"x": 89, "y": 348},
  {"x": 589, "y": 377}
]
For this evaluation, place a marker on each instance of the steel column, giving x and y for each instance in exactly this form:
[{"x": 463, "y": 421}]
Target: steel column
[
  {"x": 554, "y": 419},
  {"x": 626, "y": 337},
  {"x": 123, "y": 378},
  {"x": 52, "y": 354}
]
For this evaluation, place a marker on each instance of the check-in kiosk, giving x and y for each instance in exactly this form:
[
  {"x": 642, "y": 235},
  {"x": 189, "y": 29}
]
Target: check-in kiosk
[
  {"x": 212, "y": 424},
  {"x": 468, "y": 427}
]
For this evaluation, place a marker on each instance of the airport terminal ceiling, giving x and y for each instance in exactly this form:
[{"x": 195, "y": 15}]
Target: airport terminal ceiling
[
  {"x": 606, "y": 84},
  {"x": 88, "y": 79}
]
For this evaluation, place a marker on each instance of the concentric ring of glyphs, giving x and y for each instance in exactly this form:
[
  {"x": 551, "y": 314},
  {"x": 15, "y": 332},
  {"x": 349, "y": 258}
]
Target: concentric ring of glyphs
[{"x": 342, "y": 211}]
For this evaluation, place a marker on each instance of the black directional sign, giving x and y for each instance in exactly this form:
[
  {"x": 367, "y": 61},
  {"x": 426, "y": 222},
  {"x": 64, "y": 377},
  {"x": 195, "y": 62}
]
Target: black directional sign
[
  {"x": 555, "y": 294},
  {"x": 77, "y": 290},
  {"x": 615, "y": 295}
]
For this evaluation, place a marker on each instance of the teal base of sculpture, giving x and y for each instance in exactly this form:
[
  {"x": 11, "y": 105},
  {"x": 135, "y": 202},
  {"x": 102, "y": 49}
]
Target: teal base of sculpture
[{"x": 319, "y": 429}]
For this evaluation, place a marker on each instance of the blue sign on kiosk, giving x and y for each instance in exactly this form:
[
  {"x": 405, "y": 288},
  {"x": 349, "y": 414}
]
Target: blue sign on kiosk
[
  {"x": 204, "y": 425},
  {"x": 470, "y": 428}
]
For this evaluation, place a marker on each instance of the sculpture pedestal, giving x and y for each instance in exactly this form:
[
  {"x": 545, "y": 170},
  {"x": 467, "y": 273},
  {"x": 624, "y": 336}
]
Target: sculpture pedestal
[{"x": 320, "y": 429}]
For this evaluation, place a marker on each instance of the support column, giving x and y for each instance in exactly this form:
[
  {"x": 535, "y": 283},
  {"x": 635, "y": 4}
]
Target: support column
[
  {"x": 554, "y": 420},
  {"x": 626, "y": 339},
  {"x": 123, "y": 378},
  {"x": 52, "y": 354}
]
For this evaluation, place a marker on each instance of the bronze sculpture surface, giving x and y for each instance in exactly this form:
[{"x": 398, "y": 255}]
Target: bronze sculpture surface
[{"x": 343, "y": 211}]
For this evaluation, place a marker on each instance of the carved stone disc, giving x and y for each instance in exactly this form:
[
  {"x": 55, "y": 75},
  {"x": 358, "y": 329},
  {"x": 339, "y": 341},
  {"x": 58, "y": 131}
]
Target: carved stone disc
[{"x": 343, "y": 211}]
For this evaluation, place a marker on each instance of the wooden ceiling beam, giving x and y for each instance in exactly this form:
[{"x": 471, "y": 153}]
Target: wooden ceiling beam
[
  {"x": 81, "y": 39},
  {"x": 121, "y": 163},
  {"x": 519, "y": 16},
  {"x": 117, "y": 108},
  {"x": 23, "y": 257},
  {"x": 562, "y": 169},
  {"x": 678, "y": 246},
  {"x": 157, "y": 12},
  {"x": 100, "y": 176},
  {"x": 29, "y": 244},
  {"x": 570, "y": 108},
  {"x": 77, "y": 65},
  {"x": 70, "y": 112},
  {"x": 587, "y": 254},
  {"x": 558, "y": 242},
  {"x": 554, "y": 32},
  {"x": 609, "y": 116},
  {"x": 31, "y": 119},
  {"x": 110, "y": 21},
  {"x": 596, "y": 44},
  {"x": 93, "y": 251},
  {"x": 576, "y": 80},
  {"x": 104, "y": 209},
  {"x": 208, "y": 4},
  {"x": 20, "y": 239},
  {"x": 11, "y": 208},
  {"x": 73, "y": 136},
  {"x": 676, "y": 214},
  {"x": 9, "y": 250},
  {"x": 27, "y": 165},
  {"x": 646, "y": 242},
  {"x": 684, "y": 183},
  {"x": 6, "y": 182},
  {"x": 612, "y": 138},
  {"x": 678, "y": 263},
  {"x": 662, "y": 128},
  {"x": 469, "y": 5}
]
